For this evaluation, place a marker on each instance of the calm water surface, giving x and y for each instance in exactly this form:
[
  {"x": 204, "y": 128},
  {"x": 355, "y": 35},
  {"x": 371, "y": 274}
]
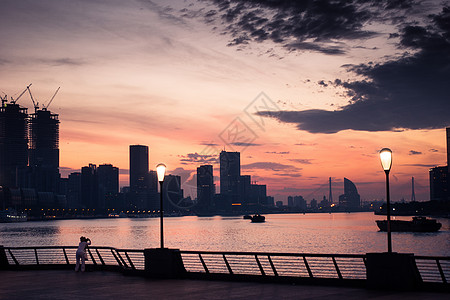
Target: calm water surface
[{"x": 315, "y": 233}]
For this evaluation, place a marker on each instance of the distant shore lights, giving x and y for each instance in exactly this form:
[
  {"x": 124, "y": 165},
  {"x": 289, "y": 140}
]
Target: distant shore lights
[
  {"x": 386, "y": 163},
  {"x": 161, "y": 172}
]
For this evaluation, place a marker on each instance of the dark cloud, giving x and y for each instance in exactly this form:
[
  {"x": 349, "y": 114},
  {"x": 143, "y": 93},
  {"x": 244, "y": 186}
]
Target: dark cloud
[
  {"x": 65, "y": 61},
  {"x": 420, "y": 165},
  {"x": 302, "y": 161},
  {"x": 304, "y": 144},
  {"x": 412, "y": 152},
  {"x": 294, "y": 175},
  {"x": 312, "y": 25},
  {"x": 433, "y": 150},
  {"x": 270, "y": 166},
  {"x": 410, "y": 92},
  {"x": 198, "y": 158},
  {"x": 241, "y": 144},
  {"x": 280, "y": 153}
]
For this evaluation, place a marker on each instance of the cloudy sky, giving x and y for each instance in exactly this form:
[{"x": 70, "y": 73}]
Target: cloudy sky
[{"x": 305, "y": 90}]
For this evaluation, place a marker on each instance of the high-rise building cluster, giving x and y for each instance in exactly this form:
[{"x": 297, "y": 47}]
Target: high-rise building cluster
[
  {"x": 237, "y": 192},
  {"x": 30, "y": 178}
]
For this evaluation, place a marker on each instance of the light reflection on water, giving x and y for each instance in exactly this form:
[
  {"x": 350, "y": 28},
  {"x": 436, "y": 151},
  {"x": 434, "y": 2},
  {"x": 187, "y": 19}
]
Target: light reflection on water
[{"x": 313, "y": 233}]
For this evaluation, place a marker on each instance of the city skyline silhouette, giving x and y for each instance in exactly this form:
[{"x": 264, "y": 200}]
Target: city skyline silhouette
[{"x": 179, "y": 78}]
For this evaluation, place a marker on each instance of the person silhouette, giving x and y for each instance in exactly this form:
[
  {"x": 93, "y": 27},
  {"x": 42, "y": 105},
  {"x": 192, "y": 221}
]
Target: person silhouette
[{"x": 81, "y": 253}]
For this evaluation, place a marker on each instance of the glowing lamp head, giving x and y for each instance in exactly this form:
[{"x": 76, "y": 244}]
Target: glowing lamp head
[
  {"x": 386, "y": 159},
  {"x": 161, "y": 171}
]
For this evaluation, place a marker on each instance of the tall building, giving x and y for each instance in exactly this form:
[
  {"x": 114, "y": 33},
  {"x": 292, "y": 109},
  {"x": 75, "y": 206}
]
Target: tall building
[
  {"x": 153, "y": 196},
  {"x": 13, "y": 144},
  {"x": 300, "y": 202},
  {"x": 448, "y": 145},
  {"x": 230, "y": 172},
  {"x": 350, "y": 200},
  {"x": 44, "y": 151},
  {"x": 205, "y": 189},
  {"x": 89, "y": 187},
  {"x": 138, "y": 166},
  {"x": 73, "y": 195},
  {"x": 139, "y": 176},
  {"x": 439, "y": 184},
  {"x": 245, "y": 189},
  {"x": 258, "y": 194},
  {"x": 108, "y": 185}
]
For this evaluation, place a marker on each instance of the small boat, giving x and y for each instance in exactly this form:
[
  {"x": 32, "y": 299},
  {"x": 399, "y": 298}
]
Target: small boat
[
  {"x": 247, "y": 217},
  {"x": 258, "y": 219},
  {"x": 11, "y": 215},
  {"x": 417, "y": 224}
]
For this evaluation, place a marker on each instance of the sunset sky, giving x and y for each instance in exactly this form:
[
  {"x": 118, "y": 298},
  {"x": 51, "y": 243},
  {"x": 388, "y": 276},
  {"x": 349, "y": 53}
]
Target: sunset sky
[{"x": 305, "y": 90}]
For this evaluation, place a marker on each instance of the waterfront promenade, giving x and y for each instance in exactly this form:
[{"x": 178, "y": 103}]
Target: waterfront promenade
[{"x": 67, "y": 284}]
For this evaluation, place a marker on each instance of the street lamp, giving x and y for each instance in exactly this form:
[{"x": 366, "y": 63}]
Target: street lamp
[
  {"x": 386, "y": 163},
  {"x": 161, "y": 171}
]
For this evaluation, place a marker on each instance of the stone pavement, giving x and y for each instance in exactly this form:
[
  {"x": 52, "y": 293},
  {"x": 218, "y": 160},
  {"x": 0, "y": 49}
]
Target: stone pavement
[{"x": 67, "y": 284}]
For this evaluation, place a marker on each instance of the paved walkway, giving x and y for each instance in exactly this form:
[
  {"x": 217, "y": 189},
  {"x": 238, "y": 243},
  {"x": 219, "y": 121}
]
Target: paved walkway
[{"x": 62, "y": 284}]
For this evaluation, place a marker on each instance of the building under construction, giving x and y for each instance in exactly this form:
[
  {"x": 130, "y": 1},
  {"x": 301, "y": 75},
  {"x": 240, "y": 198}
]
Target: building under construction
[
  {"x": 13, "y": 144},
  {"x": 44, "y": 151},
  {"x": 29, "y": 154}
]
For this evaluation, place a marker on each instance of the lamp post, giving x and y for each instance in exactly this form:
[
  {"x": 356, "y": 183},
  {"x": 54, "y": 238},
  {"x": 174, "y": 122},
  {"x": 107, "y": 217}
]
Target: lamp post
[
  {"x": 161, "y": 171},
  {"x": 386, "y": 163}
]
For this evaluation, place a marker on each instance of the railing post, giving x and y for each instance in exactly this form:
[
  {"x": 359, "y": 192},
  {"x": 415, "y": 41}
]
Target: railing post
[
  {"x": 203, "y": 263},
  {"x": 36, "y": 254},
  {"x": 227, "y": 264},
  {"x": 307, "y": 267},
  {"x": 440, "y": 271},
  {"x": 100, "y": 257},
  {"x": 65, "y": 256},
  {"x": 260, "y": 266},
  {"x": 272, "y": 265},
  {"x": 337, "y": 268},
  {"x": 4, "y": 264}
]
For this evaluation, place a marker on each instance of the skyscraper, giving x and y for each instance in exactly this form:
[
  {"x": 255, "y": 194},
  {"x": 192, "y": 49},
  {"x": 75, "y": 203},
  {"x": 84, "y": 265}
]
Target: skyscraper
[
  {"x": 138, "y": 167},
  {"x": 13, "y": 144},
  {"x": 74, "y": 190},
  {"x": 108, "y": 185},
  {"x": 44, "y": 151},
  {"x": 439, "y": 184},
  {"x": 230, "y": 172},
  {"x": 89, "y": 186},
  {"x": 350, "y": 200},
  {"x": 205, "y": 188},
  {"x": 139, "y": 177},
  {"x": 448, "y": 145}
]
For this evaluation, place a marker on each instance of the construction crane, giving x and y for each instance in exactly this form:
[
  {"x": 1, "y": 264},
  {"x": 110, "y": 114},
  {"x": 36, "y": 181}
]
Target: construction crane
[
  {"x": 35, "y": 104},
  {"x": 4, "y": 99},
  {"x": 17, "y": 99},
  {"x": 44, "y": 107}
]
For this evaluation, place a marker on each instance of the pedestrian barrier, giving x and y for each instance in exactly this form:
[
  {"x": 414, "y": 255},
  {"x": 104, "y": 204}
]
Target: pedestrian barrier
[{"x": 203, "y": 264}]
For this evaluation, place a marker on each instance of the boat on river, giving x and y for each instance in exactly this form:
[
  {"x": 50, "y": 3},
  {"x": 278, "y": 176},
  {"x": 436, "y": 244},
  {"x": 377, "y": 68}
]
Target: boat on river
[
  {"x": 417, "y": 224},
  {"x": 11, "y": 215},
  {"x": 258, "y": 218}
]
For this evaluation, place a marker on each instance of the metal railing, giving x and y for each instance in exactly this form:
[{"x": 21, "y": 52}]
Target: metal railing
[
  {"x": 302, "y": 265},
  {"x": 337, "y": 267},
  {"x": 128, "y": 259}
]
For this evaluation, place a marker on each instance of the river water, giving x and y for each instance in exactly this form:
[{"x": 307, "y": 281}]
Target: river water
[{"x": 354, "y": 233}]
